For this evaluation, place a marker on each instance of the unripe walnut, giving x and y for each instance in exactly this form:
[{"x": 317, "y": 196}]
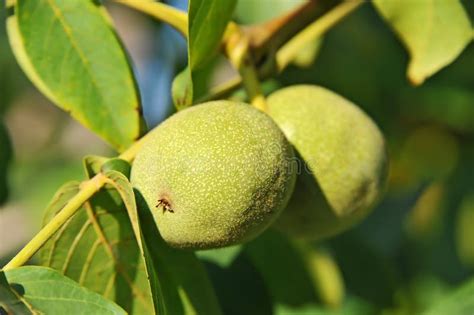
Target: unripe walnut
[
  {"x": 343, "y": 155},
  {"x": 215, "y": 174}
]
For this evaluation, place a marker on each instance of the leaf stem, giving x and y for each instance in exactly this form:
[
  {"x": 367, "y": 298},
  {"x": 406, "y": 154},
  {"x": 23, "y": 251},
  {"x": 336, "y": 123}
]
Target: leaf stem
[
  {"x": 129, "y": 154},
  {"x": 270, "y": 36},
  {"x": 87, "y": 190},
  {"x": 176, "y": 18},
  {"x": 288, "y": 52},
  {"x": 251, "y": 83},
  {"x": 237, "y": 50}
]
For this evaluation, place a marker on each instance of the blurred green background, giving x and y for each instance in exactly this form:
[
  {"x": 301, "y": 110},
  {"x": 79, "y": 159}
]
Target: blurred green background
[{"x": 416, "y": 246}]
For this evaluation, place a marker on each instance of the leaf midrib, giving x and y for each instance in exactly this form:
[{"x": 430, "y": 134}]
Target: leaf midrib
[{"x": 66, "y": 28}]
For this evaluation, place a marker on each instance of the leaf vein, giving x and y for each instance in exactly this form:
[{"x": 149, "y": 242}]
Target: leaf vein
[
  {"x": 85, "y": 62},
  {"x": 74, "y": 245},
  {"x": 108, "y": 247}
]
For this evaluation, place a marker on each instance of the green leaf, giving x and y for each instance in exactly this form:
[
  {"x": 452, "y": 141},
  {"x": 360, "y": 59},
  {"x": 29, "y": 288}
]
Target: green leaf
[
  {"x": 460, "y": 302},
  {"x": 434, "y": 31},
  {"x": 98, "y": 249},
  {"x": 69, "y": 50},
  {"x": 123, "y": 187},
  {"x": 306, "y": 57},
  {"x": 59, "y": 200},
  {"x": 186, "y": 91},
  {"x": 117, "y": 164},
  {"x": 39, "y": 290},
  {"x": 207, "y": 22},
  {"x": 10, "y": 301},
  {"x": 5, "y": 157}
]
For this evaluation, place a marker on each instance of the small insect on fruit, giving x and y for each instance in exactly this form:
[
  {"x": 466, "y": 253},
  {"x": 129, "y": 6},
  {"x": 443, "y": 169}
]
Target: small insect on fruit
[{"x": 165, "y": 205}]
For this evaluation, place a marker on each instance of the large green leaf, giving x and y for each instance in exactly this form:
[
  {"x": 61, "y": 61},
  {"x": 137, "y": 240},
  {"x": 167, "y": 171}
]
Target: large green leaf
[
  {"x": 39, "y": 290},
  {"x": 434, "y": 32},
  {"x": 5, "y": 156},
  {"x": 460, "y": 302},
  {"x": 70, "y": 51},
  {"x": 207, "y": 22},
  {"x": 97, "y": 248}
]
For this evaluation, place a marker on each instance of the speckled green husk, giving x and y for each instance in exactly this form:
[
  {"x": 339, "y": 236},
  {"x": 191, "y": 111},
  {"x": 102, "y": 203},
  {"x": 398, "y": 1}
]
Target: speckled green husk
[
  {"x": 344, "y": 167},
  {"x": 222, "y": 168}
]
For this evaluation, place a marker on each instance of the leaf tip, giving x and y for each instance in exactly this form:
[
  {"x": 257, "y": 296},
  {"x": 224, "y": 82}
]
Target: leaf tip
[{"x": 415, "y": 76}]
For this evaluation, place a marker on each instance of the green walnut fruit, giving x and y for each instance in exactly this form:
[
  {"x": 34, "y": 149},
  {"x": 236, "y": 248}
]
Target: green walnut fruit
[
  {"x": 214, "y": 175},
  {"x": 344, "y": 161}
]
